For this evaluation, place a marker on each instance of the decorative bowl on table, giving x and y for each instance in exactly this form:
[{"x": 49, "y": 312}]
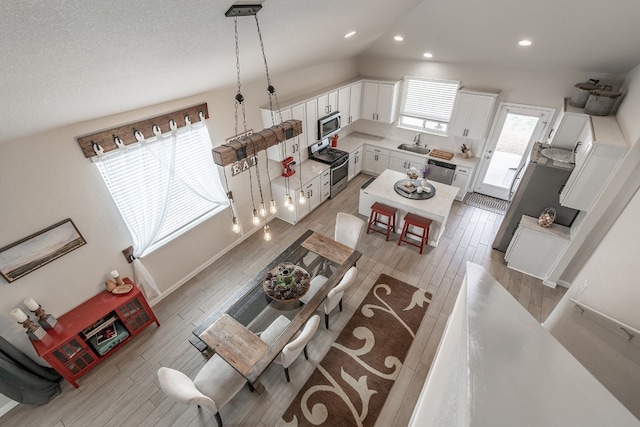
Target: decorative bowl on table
[{"x": 286, "y": 282}]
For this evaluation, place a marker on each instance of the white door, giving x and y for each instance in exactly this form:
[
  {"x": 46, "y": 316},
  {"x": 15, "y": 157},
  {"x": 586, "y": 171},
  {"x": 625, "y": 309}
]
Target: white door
[{"x": 515, "y": 130}]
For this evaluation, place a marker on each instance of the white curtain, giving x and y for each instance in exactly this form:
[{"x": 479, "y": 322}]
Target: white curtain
[{"x": 141, "y": 178}]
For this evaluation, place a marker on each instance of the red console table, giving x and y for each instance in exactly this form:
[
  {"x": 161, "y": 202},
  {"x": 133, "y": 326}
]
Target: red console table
[{"x": 91, "y": 332}]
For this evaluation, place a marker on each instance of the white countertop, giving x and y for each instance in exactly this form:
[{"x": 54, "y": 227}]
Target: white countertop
[
  {"x": 355, "y": 140},
  {"x": 310, "y": 170},
  {"x": 439, "y": 205},
  {"x": 556, "y": 230}
]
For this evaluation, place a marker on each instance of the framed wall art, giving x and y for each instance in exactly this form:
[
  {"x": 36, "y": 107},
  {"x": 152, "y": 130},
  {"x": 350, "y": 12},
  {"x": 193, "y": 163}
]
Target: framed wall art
[{"x": 34, "y": 251}]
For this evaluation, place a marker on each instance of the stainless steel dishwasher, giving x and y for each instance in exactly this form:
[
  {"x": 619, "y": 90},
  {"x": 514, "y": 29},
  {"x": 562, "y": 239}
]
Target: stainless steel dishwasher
[{"x": 441, "y": 171}]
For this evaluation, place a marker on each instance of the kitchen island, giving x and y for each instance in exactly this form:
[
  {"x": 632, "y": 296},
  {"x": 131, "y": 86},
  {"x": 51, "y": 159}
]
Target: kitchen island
[{"x": 436, "y": 208}]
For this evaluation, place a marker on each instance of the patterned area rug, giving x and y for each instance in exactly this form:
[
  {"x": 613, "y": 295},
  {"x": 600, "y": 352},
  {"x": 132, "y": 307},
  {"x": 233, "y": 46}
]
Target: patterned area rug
[
  {"x": 350, "y": 385},
  {"x": 487, "y": 203}
]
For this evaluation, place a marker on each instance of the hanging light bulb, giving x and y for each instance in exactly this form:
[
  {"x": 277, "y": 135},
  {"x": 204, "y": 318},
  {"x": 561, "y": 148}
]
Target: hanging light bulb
[
  {"x": 287, "y": 200},
  {"x": 235, "y": 225},
  {"x": 256, "y": 218},
  {"x": 302, "y": 199},
  {"x": 291, "y": 207},
  {"x": 263, "y": 210},
  {"x": 273, "y": 208},
  {"x": 267, "y": 233}
]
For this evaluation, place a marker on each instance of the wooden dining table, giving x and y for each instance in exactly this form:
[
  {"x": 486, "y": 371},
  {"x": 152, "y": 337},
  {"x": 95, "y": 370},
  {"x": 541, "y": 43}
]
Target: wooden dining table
[{"x": 233, "y": 330}]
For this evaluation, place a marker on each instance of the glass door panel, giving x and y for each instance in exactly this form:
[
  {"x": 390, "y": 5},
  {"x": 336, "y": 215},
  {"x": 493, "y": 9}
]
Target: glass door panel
[{"x": 515, "y": 131}]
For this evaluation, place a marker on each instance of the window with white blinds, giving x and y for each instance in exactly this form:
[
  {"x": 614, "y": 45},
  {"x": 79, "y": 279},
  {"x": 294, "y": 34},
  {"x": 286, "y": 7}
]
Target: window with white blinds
[
  {"x": 427, "y": 104},
  {"x": 164, "y": 186}
]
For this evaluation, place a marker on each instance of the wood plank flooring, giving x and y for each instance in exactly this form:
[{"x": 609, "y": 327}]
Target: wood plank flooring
[{"x": 123, "y": 390}]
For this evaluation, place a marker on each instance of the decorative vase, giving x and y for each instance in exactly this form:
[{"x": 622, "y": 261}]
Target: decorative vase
[{"x": 423, "y": 182}]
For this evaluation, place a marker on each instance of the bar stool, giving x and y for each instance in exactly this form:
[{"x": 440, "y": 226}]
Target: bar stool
[
  {"x": 381, "y": 209},
  {"x": 419, "y": 222}
]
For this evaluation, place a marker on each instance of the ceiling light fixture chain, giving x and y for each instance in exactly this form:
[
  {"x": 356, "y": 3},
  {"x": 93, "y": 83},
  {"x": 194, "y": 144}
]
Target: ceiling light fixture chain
[
  {"x": 270, "y": 89},
  {"x": 272, "y": 203},
  {"x": 262, "y": 208}
]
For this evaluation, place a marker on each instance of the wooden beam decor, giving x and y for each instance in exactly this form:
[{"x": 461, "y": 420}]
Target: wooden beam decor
[
  {"x": 126, "y": 133},
  {"x": 246, "y": 146}
]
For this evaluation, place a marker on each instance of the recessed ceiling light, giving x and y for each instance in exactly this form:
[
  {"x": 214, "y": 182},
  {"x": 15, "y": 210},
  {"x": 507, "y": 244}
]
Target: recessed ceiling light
[
  {"x": 428, "y": 55},
  {"x": 525, "y": 43},
  {"x": 398, "y": 38},
  {"x": 346, "y": 36}
]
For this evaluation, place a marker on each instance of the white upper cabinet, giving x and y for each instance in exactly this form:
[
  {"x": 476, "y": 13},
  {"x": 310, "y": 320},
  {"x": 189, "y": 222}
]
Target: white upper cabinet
[
  {"x": 472, "y": 114},
  {"x": 569, "y": 127},
  {"x": 379, "y": 101},
  {"x": 349, "y": 102},
  {"x": 599, "y": 150},
  {"x": 327, "y": 103},
  {"x": 311, "y": 120},
  {"x": 298, "y": 112},
  {"x": 291, "y": 146}
]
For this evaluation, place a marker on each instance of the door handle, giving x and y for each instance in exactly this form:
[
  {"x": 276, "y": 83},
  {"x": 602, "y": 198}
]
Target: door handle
[{"x": 575, "y": 149}]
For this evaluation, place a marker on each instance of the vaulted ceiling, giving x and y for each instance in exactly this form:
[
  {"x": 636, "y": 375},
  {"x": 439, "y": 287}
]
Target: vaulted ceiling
[{"x": 66, "y": 61}]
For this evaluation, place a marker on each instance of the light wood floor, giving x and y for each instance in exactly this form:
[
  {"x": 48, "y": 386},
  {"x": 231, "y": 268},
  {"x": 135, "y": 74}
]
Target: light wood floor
[{"x": 123, "y": 390}]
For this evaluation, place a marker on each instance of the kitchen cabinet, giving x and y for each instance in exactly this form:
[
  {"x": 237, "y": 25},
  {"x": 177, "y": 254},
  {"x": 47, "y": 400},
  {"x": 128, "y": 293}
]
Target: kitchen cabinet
[
  {"x": 298, "y": 112},
  {"x": 401, "y": 161},
  {"x": 349, "y": 102},
  {"x": 572, "y": 123},
  {"x": 325, "y": 185},
  {"x": 599, "y": 151},
  {"x": 355, "y": 163},
  {"x": 379, "y": 101},
  {"x": 461, "y": 180},
  {"x": 327, "y": 103},
  {"x": 472, "y": 114},
  {"x": 315, "y": 181},
  {"x": 291, "y": 146},
  {"x": 313, "y": 190},
  {"x": 311, "y": 120},
  {"x": 534, "y": 249},
  {"x": 376, "y": 160}
]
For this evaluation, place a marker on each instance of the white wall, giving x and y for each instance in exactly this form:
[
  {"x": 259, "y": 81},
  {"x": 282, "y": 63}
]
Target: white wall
[
  {"x": 611, "y": 276},
  {"x": 610, "y": 273},
  {"x": 44, "y": 178}
]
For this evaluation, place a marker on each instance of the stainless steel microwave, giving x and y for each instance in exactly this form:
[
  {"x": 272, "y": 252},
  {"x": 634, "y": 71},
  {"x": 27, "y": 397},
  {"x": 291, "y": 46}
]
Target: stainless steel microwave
[{"x": 328, "y": 125}]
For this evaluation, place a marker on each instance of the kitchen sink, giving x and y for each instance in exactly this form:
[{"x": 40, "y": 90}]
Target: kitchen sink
[{"x": 414, "y": 148}]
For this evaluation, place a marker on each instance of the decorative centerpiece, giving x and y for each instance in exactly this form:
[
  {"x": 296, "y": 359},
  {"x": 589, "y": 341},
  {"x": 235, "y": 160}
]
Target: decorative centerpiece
[
  {"x": 286, "y": 282},
  {"x": 412, "y": 173}
]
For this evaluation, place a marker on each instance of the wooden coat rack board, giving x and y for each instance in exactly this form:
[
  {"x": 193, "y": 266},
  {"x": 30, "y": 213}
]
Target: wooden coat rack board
[
  {"x": 126, "y": 133},
  {"x": 249, "y": 145}
]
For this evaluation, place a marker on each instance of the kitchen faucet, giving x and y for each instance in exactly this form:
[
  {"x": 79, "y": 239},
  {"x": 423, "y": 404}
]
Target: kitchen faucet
[{"x": 416, "y": 139}]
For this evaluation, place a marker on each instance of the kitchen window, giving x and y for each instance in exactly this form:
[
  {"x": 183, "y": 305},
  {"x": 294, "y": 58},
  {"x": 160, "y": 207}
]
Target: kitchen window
[
  {"x": 427, "y": 104},
  {"x": 164, "y": 185}
]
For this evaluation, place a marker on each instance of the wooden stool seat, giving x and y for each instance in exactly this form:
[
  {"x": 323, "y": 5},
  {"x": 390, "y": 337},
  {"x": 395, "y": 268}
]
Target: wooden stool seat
[
  {"x": 419, "y": 222},
  {"x": 388, "y": 211}
]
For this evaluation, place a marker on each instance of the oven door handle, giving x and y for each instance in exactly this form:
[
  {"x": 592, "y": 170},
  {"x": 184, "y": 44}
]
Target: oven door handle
[{"x": 337, "y": 166}]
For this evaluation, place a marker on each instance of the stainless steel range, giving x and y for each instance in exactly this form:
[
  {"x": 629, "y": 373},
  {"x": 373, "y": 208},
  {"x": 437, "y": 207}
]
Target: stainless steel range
[{"x": 337, "y": 159}]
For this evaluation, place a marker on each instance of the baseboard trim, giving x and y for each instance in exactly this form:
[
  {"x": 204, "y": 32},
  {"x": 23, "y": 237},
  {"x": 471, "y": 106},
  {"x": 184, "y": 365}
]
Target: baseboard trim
[
  {"x": 202, "y": 266},
  {"x": 8, "y": 406}
]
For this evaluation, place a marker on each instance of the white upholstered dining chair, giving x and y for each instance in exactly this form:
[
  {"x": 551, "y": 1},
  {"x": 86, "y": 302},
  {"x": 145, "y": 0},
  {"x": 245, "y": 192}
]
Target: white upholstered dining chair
[
  {"x": 291, "y": 351},
  {"x": 215, "y": 385},
  {"x": 334, "y": 297},
  {"x": 348, "y": 229}
]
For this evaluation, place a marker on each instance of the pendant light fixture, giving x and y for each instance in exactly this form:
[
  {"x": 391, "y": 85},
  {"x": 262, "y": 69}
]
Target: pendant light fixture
[{"x": 248, "y": 10}]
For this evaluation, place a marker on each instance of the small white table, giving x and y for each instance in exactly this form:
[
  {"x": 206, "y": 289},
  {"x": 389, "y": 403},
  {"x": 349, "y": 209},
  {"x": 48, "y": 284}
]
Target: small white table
[{"x": 436, "y": 208}]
